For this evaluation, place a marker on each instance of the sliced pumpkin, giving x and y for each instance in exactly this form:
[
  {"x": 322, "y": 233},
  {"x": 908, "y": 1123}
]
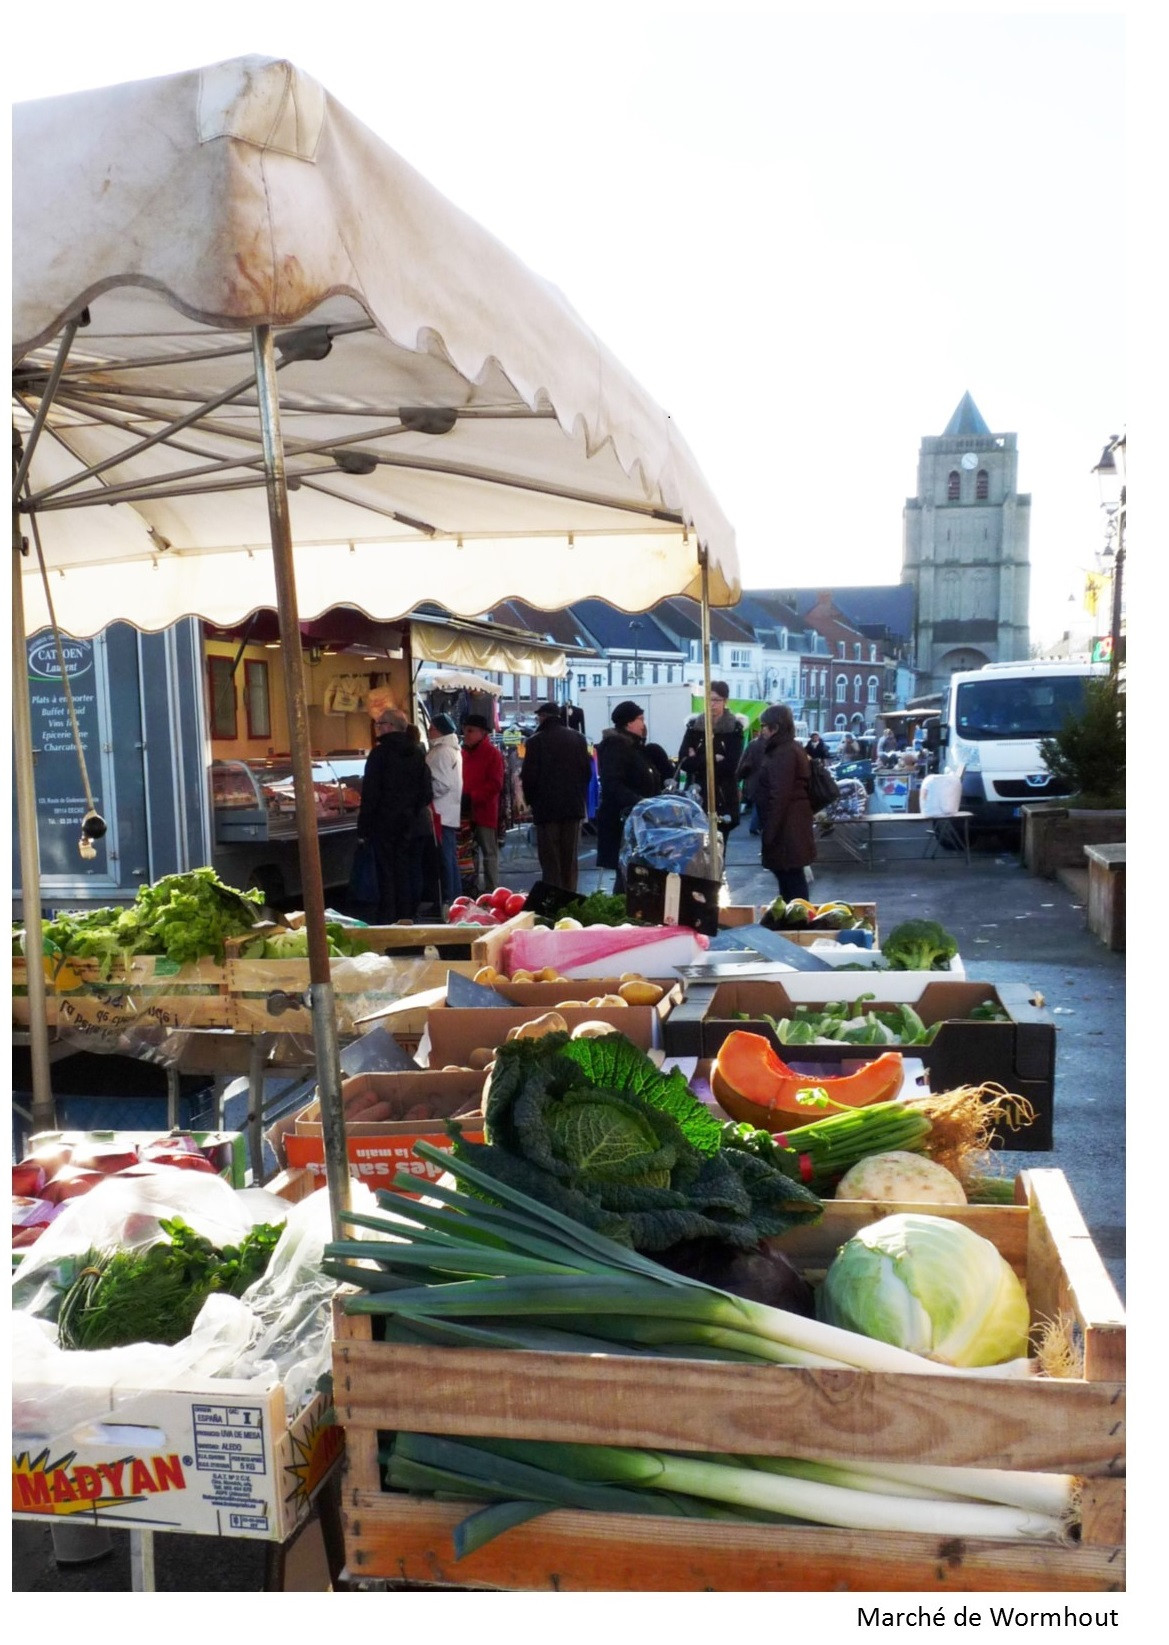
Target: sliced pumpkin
[{"x": 752, "y": 1083}]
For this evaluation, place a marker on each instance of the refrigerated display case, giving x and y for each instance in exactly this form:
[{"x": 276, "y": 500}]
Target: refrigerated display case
[{"x": 254, "y": 809}]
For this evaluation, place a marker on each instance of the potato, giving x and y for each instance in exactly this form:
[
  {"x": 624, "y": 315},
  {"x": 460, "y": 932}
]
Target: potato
[
  {"x": 610, "y": 1002},
  {"x": 631, "y": 976},
  {"x": 548, "y": 974},
  {"x": 488, "y": 976},
  {"x": 637, "y": 991},
  {"x": 523, "y": 976},
  {"x": 550, "y": 1023},
  {"x": 481, "y": 1056},
  {"x": 593, "y": 1030}
]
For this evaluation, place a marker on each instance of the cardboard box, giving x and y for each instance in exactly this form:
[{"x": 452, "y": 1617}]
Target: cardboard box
[
  {"x": 1067, "y": 1425},
  {"x": 453, "y": 1033},
  {"x": 211, "y": 1456},
  {"x": 379, "y": 1149},
  {"x": 1018, "y": 1054}
]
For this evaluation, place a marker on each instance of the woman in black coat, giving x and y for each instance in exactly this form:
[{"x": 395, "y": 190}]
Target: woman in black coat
[
  {"x": 627, "y": 774},
  {"x": 781, "y": 793}
]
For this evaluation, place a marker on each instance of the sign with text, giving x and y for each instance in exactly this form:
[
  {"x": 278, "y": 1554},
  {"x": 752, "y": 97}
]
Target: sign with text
[{"x": 61, "y": 802}]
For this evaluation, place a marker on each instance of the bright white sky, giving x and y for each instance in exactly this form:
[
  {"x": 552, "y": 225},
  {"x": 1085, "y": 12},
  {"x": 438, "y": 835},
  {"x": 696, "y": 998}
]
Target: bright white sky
[{"x": 806, "y": 234}]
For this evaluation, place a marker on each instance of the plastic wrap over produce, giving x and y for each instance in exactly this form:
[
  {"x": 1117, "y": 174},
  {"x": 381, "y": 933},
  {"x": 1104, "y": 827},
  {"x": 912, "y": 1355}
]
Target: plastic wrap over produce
[
  {"x": 272, "y": 995},
  {"x": 278, "y": 1330},
  {"x": 671, "y": 833}
]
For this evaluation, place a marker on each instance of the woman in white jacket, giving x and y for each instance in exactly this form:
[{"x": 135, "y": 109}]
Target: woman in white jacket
[{"x": 445, "y": 760}]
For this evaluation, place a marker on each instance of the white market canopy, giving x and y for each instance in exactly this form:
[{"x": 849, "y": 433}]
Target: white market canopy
[{"x": 451, "y": 428}]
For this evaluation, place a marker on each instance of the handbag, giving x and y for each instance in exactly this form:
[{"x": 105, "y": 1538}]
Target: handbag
[
  {"x": 822, "y": 787},
  {"x": 363, "y": 886}
]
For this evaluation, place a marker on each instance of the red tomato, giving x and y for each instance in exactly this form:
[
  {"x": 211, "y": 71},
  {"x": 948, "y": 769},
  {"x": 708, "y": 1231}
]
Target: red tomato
[
  {"x": 487, "y": 900},
  {"x": 501, "y": 896},
  {"x": 28, "y": 1178},
  {"x": 514, "y": 905}
]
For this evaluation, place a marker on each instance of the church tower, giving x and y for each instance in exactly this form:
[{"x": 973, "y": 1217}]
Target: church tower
[{"x": 966, "y": 550}]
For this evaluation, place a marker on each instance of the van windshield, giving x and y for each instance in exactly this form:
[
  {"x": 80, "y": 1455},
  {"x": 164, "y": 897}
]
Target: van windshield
[{"x": 992, "y": 710}]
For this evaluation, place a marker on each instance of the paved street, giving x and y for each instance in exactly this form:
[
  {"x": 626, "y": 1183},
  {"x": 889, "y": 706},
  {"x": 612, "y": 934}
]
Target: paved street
[{"x": 1010, "y": 926}]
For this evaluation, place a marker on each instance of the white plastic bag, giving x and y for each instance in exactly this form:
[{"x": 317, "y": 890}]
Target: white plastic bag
[{"x": 941, "y": 794}]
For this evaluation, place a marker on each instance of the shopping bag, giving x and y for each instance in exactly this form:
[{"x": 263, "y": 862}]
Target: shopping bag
[{"x": 363, "y": 876}]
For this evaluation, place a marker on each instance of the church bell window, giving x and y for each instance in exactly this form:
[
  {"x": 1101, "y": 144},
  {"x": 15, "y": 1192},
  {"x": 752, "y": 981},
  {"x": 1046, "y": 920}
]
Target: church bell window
[{"x": 953, "y": 486}]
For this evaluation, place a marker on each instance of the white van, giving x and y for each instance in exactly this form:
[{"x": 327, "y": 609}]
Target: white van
[{"x": 992, "y": 723}]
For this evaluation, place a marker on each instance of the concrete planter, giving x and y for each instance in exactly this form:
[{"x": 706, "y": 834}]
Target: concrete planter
[{"x": 1054, "y": 836}]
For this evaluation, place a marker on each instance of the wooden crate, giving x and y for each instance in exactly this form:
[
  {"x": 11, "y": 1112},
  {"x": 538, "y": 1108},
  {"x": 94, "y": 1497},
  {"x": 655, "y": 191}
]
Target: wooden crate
[
  {"x": 1073, "y": 1425},
  {"x": 148, "y": 988},
  {"x": 266, "y": 996}
]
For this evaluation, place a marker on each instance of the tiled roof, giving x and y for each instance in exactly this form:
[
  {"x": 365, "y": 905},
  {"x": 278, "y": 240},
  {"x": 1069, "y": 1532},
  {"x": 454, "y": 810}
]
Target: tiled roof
[
  {"x": 683, "y": 617},
  {"x": 883, "y": 608},
  {"x": 611, "y": 629}
]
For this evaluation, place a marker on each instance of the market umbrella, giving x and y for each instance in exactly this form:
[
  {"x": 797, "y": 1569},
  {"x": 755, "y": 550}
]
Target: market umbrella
[{"x": 258, "y": 360}]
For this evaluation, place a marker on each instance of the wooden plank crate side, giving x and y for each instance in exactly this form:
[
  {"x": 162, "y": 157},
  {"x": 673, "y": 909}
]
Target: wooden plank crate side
[{"x": 569, "y": 1551}]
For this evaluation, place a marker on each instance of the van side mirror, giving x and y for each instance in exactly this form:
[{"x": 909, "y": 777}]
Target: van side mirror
[{"x": 936, "y": 735}]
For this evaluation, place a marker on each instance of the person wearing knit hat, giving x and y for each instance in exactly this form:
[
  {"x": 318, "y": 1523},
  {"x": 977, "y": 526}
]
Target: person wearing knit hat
[
  {"x": 627, "y": 774},
  {"x": 555, "y": 774},
  {"x": 625, "y": 713}
]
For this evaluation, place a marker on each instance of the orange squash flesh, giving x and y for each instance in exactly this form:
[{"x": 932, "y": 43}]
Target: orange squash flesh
[{"x": 752, "y": 1084}]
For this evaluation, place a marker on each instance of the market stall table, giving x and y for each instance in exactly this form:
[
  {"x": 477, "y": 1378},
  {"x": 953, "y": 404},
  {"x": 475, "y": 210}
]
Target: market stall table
[{"x": 859, "y": 837}]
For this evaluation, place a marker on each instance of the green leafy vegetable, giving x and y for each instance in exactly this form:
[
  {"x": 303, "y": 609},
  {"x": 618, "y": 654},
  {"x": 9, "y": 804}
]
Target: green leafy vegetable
[
  {"x": 595, "y": 1130},
  {"x": 918, "y": 945},
  {"x": 182, "y": 916},
  {"x": 154, "y": 1295},
  {"x": 598, "y": 908}
]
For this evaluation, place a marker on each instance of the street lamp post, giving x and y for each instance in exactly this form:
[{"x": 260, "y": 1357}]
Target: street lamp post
[
  {"x": 1110, "y": 472},
  {"x": 635, "y": 629}
]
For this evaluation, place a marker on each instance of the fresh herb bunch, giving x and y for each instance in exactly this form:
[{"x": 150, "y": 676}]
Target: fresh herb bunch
[
  {"x": 598, "y": 908},
  {"x": 154, "y": 1295}
]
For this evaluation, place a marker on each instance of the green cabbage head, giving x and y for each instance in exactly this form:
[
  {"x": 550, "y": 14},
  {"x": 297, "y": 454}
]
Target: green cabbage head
[{"x": 931, "y": 1285}]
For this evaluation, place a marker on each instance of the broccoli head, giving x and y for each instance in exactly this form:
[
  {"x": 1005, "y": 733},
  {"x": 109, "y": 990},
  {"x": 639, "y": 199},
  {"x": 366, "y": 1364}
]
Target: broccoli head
[{"x": 918, "y": 945}]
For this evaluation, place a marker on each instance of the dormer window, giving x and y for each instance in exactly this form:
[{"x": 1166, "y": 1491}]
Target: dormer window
[
  {"x": 982, "y": 486},
  {"x": 953, "y": 486},
  {"x": 872, "y": 653},
  {"x": 841, "y": 649},
  {"x": 856, "y": 651}
]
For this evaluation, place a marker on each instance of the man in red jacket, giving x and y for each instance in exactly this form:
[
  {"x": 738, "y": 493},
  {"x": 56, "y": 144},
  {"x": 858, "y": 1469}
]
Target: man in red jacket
[{"x": 482, "y": 787}]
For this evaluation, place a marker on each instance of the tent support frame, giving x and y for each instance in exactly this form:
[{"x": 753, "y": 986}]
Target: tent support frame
[
  {"x": 44, "y": 1116},
  {"x": 292, "y": 657},
  {"x": 716, "y": 854}
]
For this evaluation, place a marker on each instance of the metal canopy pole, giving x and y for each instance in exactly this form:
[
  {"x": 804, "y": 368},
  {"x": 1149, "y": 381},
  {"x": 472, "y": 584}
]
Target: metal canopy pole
[
  {"x": 43, "y": 1113},
  {"x": 716, "y": 855},
  {"x": 292, "y": 657}
]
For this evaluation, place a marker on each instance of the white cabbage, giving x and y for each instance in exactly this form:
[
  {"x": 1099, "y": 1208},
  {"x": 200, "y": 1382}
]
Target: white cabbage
[{"x": 930, "y": 1285}]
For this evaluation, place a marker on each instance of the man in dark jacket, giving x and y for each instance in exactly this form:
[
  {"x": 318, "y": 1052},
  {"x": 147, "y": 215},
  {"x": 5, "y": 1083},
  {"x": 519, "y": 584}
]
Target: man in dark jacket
[
  {"x": 627, "y": 775},
  {"x": 554, "y": 775},
  {"x": 396, "y": 792},
  {"x": 728, "y": 751}
]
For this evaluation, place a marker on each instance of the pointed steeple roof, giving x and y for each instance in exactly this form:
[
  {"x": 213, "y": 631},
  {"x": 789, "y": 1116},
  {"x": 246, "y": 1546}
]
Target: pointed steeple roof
[{"x": 967, "y": 419}]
